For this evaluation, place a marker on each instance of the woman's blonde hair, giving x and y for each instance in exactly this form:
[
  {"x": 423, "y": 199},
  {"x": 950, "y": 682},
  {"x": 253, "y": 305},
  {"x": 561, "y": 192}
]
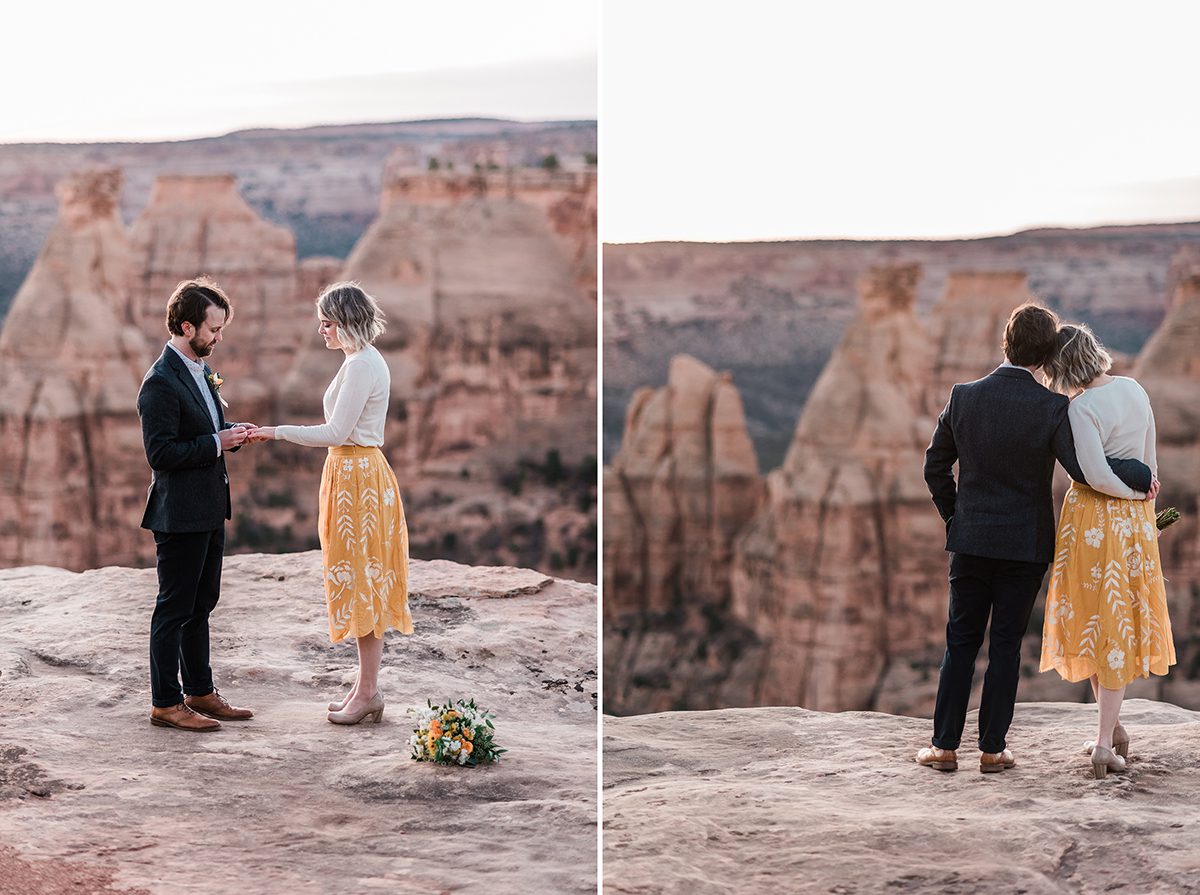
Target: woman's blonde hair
[
  {"x": 1079, "y": 357},
  {"x": 357, "y": 315}
]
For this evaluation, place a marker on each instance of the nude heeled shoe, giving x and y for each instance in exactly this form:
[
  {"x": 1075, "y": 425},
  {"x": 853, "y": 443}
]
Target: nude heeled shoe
[
  {"x": 373, "y": 710},
  {"x": 1105, "y": 760},
  {"x": 1120, "y": 742},
  {"x": 338, "y": 706}
]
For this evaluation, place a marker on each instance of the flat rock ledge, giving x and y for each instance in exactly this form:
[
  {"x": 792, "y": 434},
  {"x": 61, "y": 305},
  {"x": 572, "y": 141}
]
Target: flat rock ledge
[
  {"x": 789, "y": 800},
  {"x": 94, "y": 799}
]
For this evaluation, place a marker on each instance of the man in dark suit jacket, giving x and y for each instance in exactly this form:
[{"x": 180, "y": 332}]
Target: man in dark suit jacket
[
  {"x": 186, "y": 437},
  {"x": 1005, "y": 431}
]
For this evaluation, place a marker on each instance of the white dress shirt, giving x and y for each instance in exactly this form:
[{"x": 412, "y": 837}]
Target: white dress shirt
[{"x": 196, "y": 368}]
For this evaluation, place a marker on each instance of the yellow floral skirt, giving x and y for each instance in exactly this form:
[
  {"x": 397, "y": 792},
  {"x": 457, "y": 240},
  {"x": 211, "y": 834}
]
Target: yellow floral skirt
[
  {"x": 364, "y": 544},
  {"x": 1106, "y": 609}
]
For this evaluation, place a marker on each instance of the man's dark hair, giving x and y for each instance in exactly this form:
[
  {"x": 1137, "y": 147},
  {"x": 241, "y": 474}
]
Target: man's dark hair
[
  {"x": 190, "y": 301},
  {"x": 1030, "y": 338}
]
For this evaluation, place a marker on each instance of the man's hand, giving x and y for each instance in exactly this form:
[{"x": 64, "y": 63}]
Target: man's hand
[
  {"x": 1154, "y": 486},
  {"x": 231, "y": 438},
  {"x": 263, "y": 433}
]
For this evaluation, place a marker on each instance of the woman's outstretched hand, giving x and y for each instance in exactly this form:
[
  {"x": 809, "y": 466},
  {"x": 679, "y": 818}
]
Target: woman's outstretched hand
[{"x": 261, "y": 433}]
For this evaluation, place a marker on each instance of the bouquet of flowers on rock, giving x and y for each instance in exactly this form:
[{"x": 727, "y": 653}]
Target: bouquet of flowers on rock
[{"x": 458, "y": 733}]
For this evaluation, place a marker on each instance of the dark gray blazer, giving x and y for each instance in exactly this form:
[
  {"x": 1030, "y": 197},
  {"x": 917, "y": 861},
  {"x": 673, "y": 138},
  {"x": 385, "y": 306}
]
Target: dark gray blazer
[
  {"x": 1005, "y": 430},
  {"x": 190, "y": 488}
]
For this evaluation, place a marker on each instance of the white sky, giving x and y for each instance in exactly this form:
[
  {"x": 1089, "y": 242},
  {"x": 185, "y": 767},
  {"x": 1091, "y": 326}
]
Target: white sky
[
  {"x": 141, "y": 70},
  {"x": 772, "y": 120}
]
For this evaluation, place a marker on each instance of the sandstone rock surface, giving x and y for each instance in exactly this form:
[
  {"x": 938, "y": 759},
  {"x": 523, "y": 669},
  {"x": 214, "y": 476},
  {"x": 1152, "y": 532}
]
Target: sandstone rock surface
[
  {"x": 70, "y": 366},
  {"x": 200, "y": 225},
  {"x": 801, "y": 801},
  {"x": 288, "y": 801},
  {"x": 683, "y": 485},
  {"x": 842, "y": 571}
]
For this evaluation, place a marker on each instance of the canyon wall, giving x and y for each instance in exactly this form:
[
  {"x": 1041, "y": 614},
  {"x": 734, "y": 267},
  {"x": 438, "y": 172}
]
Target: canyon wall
[{"x": 491, "y": 343}]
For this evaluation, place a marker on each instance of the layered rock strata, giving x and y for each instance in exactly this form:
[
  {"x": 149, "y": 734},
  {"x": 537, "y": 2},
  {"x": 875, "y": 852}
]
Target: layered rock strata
[
  {"x": 1168, "y": 367},
  {"x": 842, "y": 570},
  {"x": 683, "y": 485},
  {"x": 200, "y": 225},
  {"x": 72, "y": 473},
  {"x": 968, "y": 327}
]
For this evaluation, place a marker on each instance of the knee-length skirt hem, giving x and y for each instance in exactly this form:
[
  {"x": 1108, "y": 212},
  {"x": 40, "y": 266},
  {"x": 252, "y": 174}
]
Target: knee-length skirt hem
[
  {"x": 364, "y": 545},
  {"x": 1106, "y": 607}
]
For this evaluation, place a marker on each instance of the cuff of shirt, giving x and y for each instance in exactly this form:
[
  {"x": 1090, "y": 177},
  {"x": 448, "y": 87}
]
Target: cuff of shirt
[{"x": 218, "y": 440}]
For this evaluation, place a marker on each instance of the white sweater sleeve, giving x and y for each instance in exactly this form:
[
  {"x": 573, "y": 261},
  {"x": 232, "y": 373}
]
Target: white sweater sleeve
[
  {"x": 348, "y": 407},
  {"x": 1090, "y": 452},
  {"x": 1151, "y": 452}
]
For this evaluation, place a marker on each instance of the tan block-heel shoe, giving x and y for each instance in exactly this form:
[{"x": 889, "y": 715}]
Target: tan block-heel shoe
[
  {"x": 1105, "y": 760},
  {"x": 372, "y": 710},
  {"x": 1120, "y": 742}
]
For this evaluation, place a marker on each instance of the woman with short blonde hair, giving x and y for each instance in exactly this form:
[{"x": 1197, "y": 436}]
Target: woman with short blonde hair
[
  {"x": 1106, "y": 610},
  {"x": 364, "y": 537}
]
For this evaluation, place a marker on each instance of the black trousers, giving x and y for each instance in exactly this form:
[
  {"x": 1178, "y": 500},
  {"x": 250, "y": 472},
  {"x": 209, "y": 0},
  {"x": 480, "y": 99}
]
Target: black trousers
[
  {"x": 979, "y": 587},
  {"x": 189, "y": 585}
]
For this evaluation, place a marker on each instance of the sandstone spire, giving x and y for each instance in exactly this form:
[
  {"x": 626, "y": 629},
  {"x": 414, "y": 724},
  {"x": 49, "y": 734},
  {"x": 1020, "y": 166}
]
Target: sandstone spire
[
  {"x": 681, "y": 488},
  {"x": 968, "y": 327},
  {"x": 838, "y": 572},
  {"x": 199, "y": 225},
  {"x": 71, "y": 476}
]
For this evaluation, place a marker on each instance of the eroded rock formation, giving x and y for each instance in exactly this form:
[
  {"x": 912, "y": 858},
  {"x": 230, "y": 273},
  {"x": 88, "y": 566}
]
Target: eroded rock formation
[
  {"x": 968, "y": 327},
  {"x": 1168, "y": 367},
  {"x": 200, "y": 225},
  {"x": 841, "y": 570},
  {"x": 683, "y": 485},
  {"x": 72, "y": 473}
]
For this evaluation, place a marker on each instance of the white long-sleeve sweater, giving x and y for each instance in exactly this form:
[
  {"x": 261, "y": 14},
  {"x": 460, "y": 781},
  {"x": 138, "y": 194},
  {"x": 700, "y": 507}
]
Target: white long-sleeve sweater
[
  {"x": 1113, "y": 420},
  {"x": 355, "y": 403}
]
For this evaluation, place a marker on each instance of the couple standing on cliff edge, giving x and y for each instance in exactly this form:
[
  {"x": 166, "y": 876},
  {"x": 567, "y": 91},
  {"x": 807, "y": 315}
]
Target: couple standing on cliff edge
[
  {"x": 1106, "y": 613},
  {"x": 364, "y": 538}
]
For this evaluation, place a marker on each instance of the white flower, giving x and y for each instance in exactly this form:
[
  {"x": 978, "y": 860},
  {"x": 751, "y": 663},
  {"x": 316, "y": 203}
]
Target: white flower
[
  {"x": 1072, "y": 497},
  {"x": 1145, "y": 664},
  {"x": 1096, "y": 572},
  {"x": 1123, "y": 526},
  {"x": 363, "y": 462},
  {"x": 1094, "y": 536},
  {"x": 1116, "y": 658},
  {"x": 1150, "y": 566},
  {"x": 347, "y": 465},
  {"x": 1062, "y": 609},
  {"x": 389, "y": 497},
  {"x": 1133, "y": 560},
  {"x": 1148, "y": 529}
]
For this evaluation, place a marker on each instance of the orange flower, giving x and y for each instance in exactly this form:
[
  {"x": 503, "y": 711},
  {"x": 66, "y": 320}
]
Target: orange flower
[
  {"x": 468, "y": 733},
  {"x": 435, "y": 728},
  {"x": 466, "y": 746}
]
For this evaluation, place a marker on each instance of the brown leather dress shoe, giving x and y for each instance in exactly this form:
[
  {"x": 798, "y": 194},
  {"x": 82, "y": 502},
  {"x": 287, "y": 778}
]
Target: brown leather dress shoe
[
  {"x": 938, "y": 759},
  {"x": 182, "y": 718},
  {"x": 214, "y": 705},
  {"x": 994, "y": 762}
]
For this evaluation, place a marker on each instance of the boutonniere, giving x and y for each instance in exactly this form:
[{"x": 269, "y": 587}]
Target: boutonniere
[{"x": 215, "y": 382}]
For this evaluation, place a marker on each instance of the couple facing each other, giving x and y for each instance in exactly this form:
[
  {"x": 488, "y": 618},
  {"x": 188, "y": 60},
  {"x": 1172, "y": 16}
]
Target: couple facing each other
[
  {"x": 363, "y": 535},
  {"x": 1106, "y": 611}
]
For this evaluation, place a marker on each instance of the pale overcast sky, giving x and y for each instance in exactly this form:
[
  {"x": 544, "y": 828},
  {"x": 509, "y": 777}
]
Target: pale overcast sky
[
  {"x": 728, "y": 121},
  {"x": 149, "y": 70}
]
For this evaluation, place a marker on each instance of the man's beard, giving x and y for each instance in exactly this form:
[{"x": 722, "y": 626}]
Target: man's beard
[{"x": 199, "y": 348}]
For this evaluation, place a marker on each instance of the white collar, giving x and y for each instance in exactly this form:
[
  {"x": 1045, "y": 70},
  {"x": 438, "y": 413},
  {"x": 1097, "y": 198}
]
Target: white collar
[{"x": 196, "y": 366}]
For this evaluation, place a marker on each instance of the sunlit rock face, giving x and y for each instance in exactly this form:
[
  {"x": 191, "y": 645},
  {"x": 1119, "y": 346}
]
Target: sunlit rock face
[{"x": 71, "y": 467}]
